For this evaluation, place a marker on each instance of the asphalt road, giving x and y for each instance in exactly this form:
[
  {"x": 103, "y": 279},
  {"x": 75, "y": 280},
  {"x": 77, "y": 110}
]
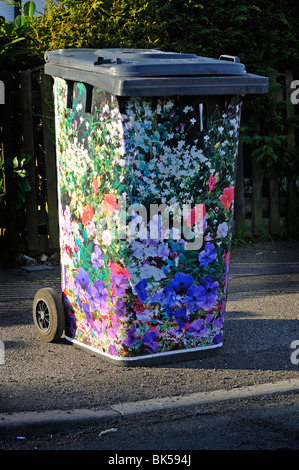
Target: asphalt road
[
  {"x": 261, "y": 325},
  {"x": 267, "y": 423}
]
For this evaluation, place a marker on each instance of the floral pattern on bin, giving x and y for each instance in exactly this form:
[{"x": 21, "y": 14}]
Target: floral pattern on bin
[{"x": 141, "y": 294}]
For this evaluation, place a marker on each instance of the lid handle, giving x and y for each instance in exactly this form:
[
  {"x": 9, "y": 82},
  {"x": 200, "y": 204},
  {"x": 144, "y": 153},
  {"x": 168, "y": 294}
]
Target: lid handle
[
  {"x": 231, "y": 58},
  {"x": 103, "y": 60}
]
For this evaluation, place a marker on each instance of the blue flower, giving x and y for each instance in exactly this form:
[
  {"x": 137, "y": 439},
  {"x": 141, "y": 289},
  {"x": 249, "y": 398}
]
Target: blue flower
[
  {"x": 82, "y": 278},
  {"x": 198, "y": 329},
  {"x": 203, "y": 296},
  {"x": 195, "y": 297},
  {"x": 181, "y": 282},
  {"x": 131, "y": 339},
  {"x": 217, "y": 338},
  {"x": 181, "y": 317},
  {"x": 141, "y": 291},
  {"x": 211, "y": 288},
  {"x": 149, "y": 339},
  {"x": 208, "y": 255}
]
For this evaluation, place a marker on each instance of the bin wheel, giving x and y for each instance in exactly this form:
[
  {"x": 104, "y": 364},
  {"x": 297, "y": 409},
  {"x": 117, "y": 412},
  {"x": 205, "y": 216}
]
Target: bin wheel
[{"x": 48, "y": 314}]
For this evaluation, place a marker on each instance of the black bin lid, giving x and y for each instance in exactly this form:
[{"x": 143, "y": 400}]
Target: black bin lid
[{"x": 151, "y": 72}]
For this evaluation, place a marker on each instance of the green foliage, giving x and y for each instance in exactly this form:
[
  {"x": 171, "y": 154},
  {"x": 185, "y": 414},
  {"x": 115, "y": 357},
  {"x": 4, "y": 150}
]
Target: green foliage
[
  {"x": 12, "y": 33},
  {"x": 263, "y": 33},
  {"x": 20, "y": 175}
]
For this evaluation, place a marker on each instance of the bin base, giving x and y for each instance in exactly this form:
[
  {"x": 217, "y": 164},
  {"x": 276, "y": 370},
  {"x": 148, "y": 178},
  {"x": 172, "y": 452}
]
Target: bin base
[{"x": 152, "y": 359}]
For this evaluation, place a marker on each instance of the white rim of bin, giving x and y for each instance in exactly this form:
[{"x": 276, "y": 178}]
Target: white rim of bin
[{"x": 154, "y": 358}]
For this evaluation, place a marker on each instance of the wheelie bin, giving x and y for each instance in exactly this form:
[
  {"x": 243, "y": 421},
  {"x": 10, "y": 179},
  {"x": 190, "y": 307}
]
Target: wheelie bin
[{"x": 147, "y": 144}]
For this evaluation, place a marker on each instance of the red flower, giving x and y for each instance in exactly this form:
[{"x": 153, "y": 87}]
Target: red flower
[
  {"x": 195, "y": 215},
  {"x": 87, "y": 214},
  {"x": 227, "y": 197},
  {"x": 117, "y": 269}
]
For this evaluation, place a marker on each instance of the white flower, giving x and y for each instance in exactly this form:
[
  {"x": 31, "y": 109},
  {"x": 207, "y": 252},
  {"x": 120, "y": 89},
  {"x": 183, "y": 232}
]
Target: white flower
[
  {"x": 148, "y": 271},
  {"x": 222, "y": 229},
  {"x": 107, "y": 237},
  {"x": 187, "y": 108}
]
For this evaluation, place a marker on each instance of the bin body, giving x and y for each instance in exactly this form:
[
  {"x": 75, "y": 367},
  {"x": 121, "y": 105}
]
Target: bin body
[{"x": 146, "y": 193}]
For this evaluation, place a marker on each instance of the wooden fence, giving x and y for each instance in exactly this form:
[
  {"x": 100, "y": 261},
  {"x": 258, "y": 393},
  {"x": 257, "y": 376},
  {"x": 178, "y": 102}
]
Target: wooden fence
[
  {"x": 263, "y": 205},
  {"x": 27, "y": 126}
]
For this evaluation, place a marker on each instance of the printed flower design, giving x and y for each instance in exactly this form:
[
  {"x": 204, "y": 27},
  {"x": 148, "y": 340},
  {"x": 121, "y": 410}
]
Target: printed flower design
[
  {"x": 227, "y": 197},
  {"x": 146, "y": 293}
]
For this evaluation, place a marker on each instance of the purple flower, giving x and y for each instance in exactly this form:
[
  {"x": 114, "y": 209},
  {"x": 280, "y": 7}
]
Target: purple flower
[
  {"x": 195, "y": 297},
  {"x": 208, "y": 255},
  {"x": 209, "y": 318},
  {"x": 120, "y": 309},
  {"x": 112, "y": 350},
  {"x": 87, "y": 312},
  {"x": 149, "y": 339},
  {"x": 131, "y": 339},
  {"x": 181, "y": 282},
  {"x": 160, "y": 297},
  {"x": 203, "y": 296},
  {"x": 100, "y": 295},
  {"x": 96, "y": 327},
  {"x": 198, "y": 329},
  {"x": 98, "y": 300},
  {"x": 82, "y": 278},
  {"x": 172, "y": 298},
  {"x": 163, "y": 251},
  {"x": 141, "y": 291},
  {"x": 217, "y": 339},
  {"x": 119, "y": 282},
  {"x": 218, "y": 322},
  {"x": 211, "y": 288},
  {"x": 181, "y": 317},
  {"x": 97, "y": 259}
]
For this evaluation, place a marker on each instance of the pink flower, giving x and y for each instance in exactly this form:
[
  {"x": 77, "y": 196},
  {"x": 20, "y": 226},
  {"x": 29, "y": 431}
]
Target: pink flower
[
  {"x": 95, "y": 185},
  {"x": 227, "y": 197},
  {"x": 195, "y": 215},
  {"x": 118, "y": 269},
  {"x": 211, "y": 182},
  {"x": 226, "y": 259},
  {"x": 110, "y": 204}
]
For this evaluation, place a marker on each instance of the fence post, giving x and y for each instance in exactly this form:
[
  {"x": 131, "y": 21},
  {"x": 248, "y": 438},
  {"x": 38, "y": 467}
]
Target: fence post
[
  {"x": 28, "y": 147},
  {"x": 50, "y": 160},
  {"x": 274, "y": 212},
  {"x": 292, "y": 224},
  {"x": 8, "y": 140}
]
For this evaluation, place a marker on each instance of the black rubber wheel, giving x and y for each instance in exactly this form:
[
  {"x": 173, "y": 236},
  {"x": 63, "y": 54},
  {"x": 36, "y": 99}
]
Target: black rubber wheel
[{"x": 48, "y": 314}]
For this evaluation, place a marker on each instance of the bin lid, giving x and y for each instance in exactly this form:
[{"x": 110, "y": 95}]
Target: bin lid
[
  {"x": 143, "y": 62},
  {"x": 149, "y": 72}
]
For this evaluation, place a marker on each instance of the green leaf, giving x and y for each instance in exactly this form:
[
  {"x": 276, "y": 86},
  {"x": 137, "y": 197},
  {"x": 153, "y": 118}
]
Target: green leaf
[
  {"x": 19, "y": 21},
  {"x": 29, "y": 9}
]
